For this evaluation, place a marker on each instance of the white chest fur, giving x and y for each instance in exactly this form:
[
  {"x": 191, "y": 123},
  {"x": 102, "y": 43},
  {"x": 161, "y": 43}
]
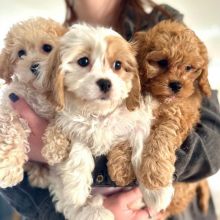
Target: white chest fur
[{"x": 100, "y": 133}]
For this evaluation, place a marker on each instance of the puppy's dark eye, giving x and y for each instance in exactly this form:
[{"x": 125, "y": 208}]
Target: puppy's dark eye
[
  {"x": 83, "y": 62},
  {"x": 21, "y": 53},
  {"x": 188, "y": 68},
  {"x": 163, "y": 63},
  {"x": 47, "y": 48},
  {"x": 117, "y": 65}
]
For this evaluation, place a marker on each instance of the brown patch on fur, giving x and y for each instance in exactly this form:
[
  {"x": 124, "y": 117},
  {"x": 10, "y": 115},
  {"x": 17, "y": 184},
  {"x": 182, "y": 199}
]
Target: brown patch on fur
[{"x": 129, "y": 70}]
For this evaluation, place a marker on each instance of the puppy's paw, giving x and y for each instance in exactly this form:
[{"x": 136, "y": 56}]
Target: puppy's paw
[
  {"x": 37, "y": 174},
  {"x": 10, "y": 176},
  {"x": 119, "y": 165},
  {"x": 56, "y": 146},
  {"x": 157, "y": 200},
  {"x": 155, "y": 173},
  {"x": 11, "y": 165}
]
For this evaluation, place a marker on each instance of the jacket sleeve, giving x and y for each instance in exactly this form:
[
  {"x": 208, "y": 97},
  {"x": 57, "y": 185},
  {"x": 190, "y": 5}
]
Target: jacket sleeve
[
  {"x": 198, "y": 157},
  {"x": 31, "y": 203}
]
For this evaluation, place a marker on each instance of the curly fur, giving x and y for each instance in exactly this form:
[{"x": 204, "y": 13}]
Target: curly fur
[
  {"x": 169, "y": 53},
  {"x": 124, "y": 174},
  {"x": 184, "y": 192},
  {"x": 94, "y": 121},
  {"x": 59, "y": 146},
  {"x": 37, "y": 174},
  {"x": 15, "y": 67}
]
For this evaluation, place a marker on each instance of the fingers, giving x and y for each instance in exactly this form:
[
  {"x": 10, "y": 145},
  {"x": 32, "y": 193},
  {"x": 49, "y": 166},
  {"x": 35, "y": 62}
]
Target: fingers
[
  {"x": 136, "y": 204},
  {"x": 24, "y": 110},
  {"x": 36, "y": 124},
  {"x": 142, "y": 215},
  {"x": 132, "y": 195},
  {"x": 134, "y": 199}
]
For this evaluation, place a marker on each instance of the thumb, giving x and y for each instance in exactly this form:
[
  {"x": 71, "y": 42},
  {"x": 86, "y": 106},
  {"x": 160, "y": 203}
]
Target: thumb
[
  {"x": 142, "y": 215},
  {"x": 132, "y": 195},
  {"x": 134, "y": 199},
  {"x": 24, "y": 110}
]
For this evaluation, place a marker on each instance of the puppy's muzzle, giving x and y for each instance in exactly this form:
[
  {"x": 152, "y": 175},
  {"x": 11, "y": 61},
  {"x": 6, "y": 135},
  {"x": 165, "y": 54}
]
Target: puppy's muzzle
[
  {"x": 35, "y": 67},
  {"x": 175, "y": 86},
  {"x": 104, "y": 85}
]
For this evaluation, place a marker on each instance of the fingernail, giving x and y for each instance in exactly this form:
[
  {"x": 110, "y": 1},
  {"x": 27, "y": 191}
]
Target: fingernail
[
  {"x": 13, "y": 97},
  {"x": 149, "y": 213}
]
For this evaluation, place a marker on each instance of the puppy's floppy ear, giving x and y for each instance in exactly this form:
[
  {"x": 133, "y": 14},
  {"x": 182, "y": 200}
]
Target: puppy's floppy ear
[
  {"x": 6, "y": 66},
  {"x": 55, "y": 80},
  {"x": 138, "y": 42},
  {"x": 143, "y": 45},
  {"x": 133, "y": 100},
  {"x": 203, "y": 81},
  {"x": 139, "y": 37}
]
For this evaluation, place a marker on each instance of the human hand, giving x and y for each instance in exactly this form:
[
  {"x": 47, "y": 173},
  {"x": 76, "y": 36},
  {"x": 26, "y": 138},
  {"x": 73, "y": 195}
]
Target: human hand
[
  {"x": 122, "y": 205},
  {"x": 36, "y": 124}
]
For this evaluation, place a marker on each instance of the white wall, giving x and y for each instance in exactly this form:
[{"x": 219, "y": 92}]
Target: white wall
[{"x": 12, "y": 11}]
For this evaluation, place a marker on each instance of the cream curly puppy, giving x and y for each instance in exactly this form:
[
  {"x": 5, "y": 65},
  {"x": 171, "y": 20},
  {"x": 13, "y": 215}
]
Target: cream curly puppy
[
  {"x": 23, "y": 63},
  {"x": 97, "y": 88}
]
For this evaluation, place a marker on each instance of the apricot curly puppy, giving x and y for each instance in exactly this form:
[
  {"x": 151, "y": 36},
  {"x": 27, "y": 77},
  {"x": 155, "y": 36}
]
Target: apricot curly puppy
[
  {"x": 173, "y": 67},
  {"x": 23, "y": 64}
]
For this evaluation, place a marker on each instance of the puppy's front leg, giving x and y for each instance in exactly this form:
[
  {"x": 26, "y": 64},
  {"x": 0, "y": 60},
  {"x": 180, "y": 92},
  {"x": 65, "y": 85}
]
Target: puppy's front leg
[
  {"x": 14, "y": 147},
  {"x": 119, "y": 164},
  {"x": 158, "y": 158},
  {"x": 76, "y": 175},
  {"x": 157, "y": 163},
  {"x": 168, "y": 133},
  {"x": 56, "y": 145},
  {"x": 37, "y": 174},
  {"x": 155, "y": 173}
]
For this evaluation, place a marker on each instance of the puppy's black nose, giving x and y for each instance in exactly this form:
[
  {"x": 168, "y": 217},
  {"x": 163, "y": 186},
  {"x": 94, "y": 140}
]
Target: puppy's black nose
[
  {"x": 104, "y": 85},
  {"x": 175, "y": 86},
  {"x": 34, "y": 68}
]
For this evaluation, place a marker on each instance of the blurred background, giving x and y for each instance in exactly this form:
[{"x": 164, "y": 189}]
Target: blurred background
[{"x": 202, "y": 16}]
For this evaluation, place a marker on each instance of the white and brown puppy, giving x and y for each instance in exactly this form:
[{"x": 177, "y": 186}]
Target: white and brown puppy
[
  {"x": 23, "y": 62},
  {"x": 96, "y": 85}
]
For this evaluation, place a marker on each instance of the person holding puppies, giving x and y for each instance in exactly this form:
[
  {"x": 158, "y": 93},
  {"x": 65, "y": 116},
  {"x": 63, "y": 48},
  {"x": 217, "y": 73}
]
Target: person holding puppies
[{"x": 197, "y": 157}]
